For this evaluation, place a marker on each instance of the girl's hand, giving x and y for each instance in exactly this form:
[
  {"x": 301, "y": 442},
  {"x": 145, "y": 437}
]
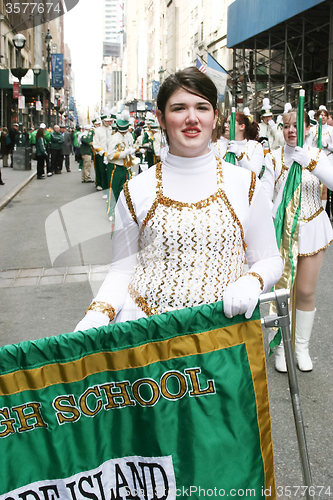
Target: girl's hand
[{"x": 301, "y": 157}]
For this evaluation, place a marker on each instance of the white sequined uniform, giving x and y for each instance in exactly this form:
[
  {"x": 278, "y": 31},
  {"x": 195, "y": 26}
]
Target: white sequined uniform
[
  {"x": 184, "y": 247},
  {"x": 253, "y": 157},
  {"x": 186, "y": 219},
  {"x": 315, "y": 230}
]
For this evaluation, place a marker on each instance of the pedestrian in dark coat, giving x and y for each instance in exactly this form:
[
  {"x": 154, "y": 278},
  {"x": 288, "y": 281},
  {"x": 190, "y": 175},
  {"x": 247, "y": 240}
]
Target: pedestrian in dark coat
[
  {"x": 57, "y": 140},
  {"x": 67, "y": 147},
  {"x": 41, "y": 153},
  {"x": 5, "y": 146}
]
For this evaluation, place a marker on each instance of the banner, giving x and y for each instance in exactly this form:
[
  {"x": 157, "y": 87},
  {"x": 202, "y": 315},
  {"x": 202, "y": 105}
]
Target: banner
[
  {"x": 153, "y": 409},
  {"x": 71, "y": 103},
  {"x": 155, "y": 85},
  {"x": 286, "y": 211},
  {"x": 219, "y": 76},
  {"x": 16, "y": 90},
  {"x": 57, "y": 67}
]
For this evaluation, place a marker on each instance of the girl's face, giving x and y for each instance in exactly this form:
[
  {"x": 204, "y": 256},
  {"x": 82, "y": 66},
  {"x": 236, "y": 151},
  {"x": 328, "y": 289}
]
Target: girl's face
[
  {"x": 323, "y": 117},
  {"x": 290, "y": 129},
  {"x": 239, "y": 130},
  {"x": 188, "y": 120}
]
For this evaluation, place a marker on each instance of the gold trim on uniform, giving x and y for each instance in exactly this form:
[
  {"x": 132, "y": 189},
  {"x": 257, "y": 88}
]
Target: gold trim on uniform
[
  {"x": 252, "y": 186},
  {"x": 313, "y": 163},
  {"x": 256, "y": 275},
  {"x": 129, "y": 201},
  {"x": 314, "y": 253},
  {"x": 104, "y": 308},
  {"x": 284, "y": 166},
  {"x": 141, "y": 302},
  {"x": 314, "y": 215}
]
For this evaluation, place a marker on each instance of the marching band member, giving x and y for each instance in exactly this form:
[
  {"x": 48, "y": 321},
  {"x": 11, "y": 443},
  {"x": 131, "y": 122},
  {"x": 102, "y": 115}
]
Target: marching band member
[
  {"x": 315, "y": 230},
  {"x": 101, "y": 140},
  {"x": 184, "y": 228},
  {"x": 267, "y": 127},
  {"x": 248, "y": 151},
  {"x": 121, "y": 156}
]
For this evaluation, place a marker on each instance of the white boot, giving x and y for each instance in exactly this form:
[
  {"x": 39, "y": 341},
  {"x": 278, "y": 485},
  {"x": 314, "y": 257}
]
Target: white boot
[
  {"x": 280, "y": 358},
  {"x": 304, "y": 323}
]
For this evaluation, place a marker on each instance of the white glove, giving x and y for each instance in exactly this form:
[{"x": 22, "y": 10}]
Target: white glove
[
  {"x": 142, "y": 150},
  {"x": 272, "y": 124},
  {"x": 132, "y": 151},
  {"x": 241, "y": 297},
  {"x": 105, "y": 160},
  {"x": 300, "y": 156},
  {"x": 325, "y": 145},
  {"x": 93, "y": 319},
  {"x": 127, "y": 151},
  {"x": 233, "y": 147}
]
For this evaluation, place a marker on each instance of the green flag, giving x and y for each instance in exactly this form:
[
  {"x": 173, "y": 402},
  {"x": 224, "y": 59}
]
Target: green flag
[
  {"x": 320, "y": 131},
  {"x": 231, "y": 157},
  {"x": 286, "y": 221},
  {"x": 152, "y": 409}
]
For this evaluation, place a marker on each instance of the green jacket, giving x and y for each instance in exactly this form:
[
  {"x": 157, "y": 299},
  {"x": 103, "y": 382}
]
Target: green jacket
[
  {"x": 32, "y": 137},
  {"x": 40, "y": 147},
  {"x": 47, "y": 137},
  {"x": 86, "y": 143},
  {"x": 75, "y": 136},
  {"x": 57, "y": 140}
]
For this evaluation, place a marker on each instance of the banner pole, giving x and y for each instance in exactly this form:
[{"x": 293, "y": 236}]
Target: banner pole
[{"x": 282, "y": 320}]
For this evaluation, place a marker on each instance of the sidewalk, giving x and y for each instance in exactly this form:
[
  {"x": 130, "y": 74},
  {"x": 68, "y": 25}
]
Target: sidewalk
[{"x": 14, "y": 180}]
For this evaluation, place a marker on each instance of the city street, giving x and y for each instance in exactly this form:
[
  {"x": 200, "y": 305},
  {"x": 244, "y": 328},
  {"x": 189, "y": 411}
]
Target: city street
[{"x": 55, "y": 251}]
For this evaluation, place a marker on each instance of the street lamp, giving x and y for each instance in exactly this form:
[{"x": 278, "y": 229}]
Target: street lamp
[
  {"x": 37, "y": 70},
  {"x": 19, "y": 72},
  {"x": 48, "y": 40},
  {"x": 57, "y": 105}
]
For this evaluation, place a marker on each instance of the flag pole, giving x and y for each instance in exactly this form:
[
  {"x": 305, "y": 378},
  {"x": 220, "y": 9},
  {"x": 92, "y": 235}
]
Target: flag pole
[
  {"x": 282, "y": 321},
  {"x": 231, "y": 157},
  {"x": 300, "y": 142}
]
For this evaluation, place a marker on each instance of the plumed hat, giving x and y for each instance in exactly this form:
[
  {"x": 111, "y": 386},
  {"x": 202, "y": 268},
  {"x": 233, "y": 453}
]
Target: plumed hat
[
  {"x": 266, "y": 108},
  {"x": 123, "y": 121}
]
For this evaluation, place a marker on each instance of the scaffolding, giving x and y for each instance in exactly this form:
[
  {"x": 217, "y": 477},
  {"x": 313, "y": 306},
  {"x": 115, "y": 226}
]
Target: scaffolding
[{"x": 276, "y": 63}]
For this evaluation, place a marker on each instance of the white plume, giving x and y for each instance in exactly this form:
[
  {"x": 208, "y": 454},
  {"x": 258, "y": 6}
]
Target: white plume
[
  {"x": 287, "y": 107},
  {"x": 266, "y": 103},
  {"x": 125, "y": 116}
]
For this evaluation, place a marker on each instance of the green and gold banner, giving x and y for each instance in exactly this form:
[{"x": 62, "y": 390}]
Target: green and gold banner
[
  {"x": 174, "y": 405},
  {"x": 231, "y": 157},
  {"x": 286, "y": 220}
]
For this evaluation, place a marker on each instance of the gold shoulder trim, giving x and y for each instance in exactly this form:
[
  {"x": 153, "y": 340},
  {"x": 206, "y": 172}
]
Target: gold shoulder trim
[
  {"x": 129, "y": 201},
  {"x": 159, "y": 188},
  {"x": 284, "y": 166},
  {"x": 252, "y": 186},
  {"x": 313, "y": 163}
]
